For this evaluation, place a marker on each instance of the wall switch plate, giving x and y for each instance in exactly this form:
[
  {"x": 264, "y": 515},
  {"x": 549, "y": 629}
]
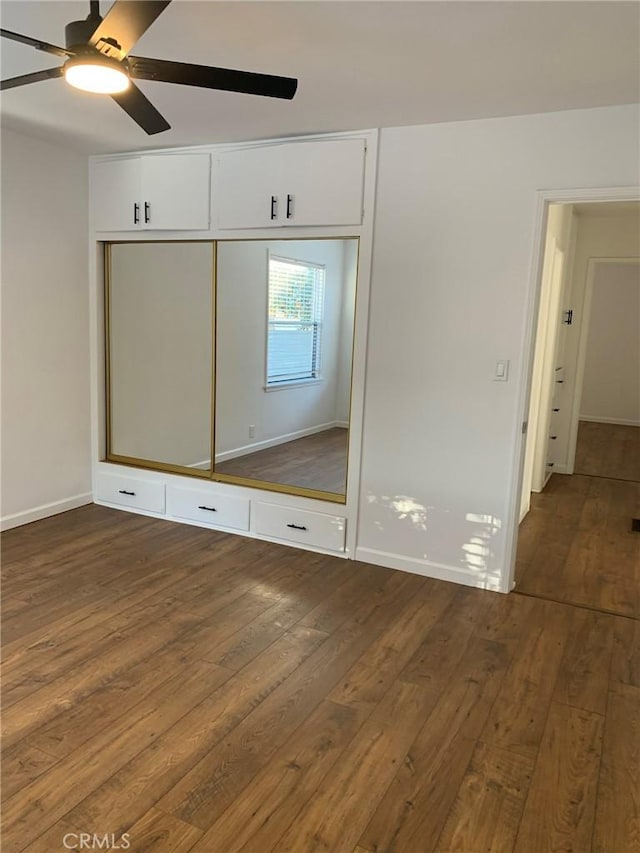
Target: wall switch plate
[{"x": 501, "y": 373}]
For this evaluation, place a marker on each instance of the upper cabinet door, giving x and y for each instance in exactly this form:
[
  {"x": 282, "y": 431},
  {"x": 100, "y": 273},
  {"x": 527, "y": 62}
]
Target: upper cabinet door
[
  {"x": 323, "y": 182},
  {"x": 248, "y": 189},
  {"x": 175, "y": 192},
  {"x": 115, "y": 195},
  {"x": 296, "y": 183},
  {"x": 168, "y": 192}
]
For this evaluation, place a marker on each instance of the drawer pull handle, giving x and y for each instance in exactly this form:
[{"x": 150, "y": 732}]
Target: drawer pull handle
[
  {"x": 208, "y": 508},
  {"x": 296, "y": 526},
  {"x": 289, "y": 207},
  {"x": 125, "y": 492},
  {"x": 147, "y": 212},
  {"x": 274, "y": 202},
  {"x": 136, "y": 213}
]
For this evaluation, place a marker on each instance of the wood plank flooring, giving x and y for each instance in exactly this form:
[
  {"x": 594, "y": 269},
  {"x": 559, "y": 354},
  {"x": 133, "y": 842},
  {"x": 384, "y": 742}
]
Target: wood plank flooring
[
  {"x": 576, "y": 544},
  {"x": 203, "y": 692},
  {"x": 608, "y": 450},
  {"x": 316, "y": 461}
]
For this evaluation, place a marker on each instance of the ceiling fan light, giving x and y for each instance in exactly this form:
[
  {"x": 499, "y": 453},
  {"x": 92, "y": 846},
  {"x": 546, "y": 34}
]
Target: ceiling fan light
[{"x": 97, "y": 74}]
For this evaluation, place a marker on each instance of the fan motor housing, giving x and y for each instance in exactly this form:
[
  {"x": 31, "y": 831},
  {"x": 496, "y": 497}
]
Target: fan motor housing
[{"x": 78, "y": 33}]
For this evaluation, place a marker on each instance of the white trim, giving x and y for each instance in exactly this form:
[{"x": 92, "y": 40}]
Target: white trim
[
  {"x": 273, "y": 442},
  {"x": 593, "y": 419},
  {"x": 287, "y": 384},
  {"x": 427, "y": 568},
  {"x": 542, "y": 201},
  {"x": 44, "y": 511}
]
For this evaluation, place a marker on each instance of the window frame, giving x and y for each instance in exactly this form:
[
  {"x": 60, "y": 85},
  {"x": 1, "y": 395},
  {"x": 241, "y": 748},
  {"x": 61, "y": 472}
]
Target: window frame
[{"x": 295, "y": 381}]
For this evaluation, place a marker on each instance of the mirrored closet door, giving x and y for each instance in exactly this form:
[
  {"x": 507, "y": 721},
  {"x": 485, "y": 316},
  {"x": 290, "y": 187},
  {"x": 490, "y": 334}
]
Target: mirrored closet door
[
  {"x": 259, "y": 331},
  {"x": 159, "y": 316},
  {"x": 284, "y": 344}
]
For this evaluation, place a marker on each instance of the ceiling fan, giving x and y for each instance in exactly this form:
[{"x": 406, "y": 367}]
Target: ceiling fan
[{"x": 98, "y": 60}]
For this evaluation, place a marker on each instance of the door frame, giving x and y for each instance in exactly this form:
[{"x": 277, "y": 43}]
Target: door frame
[{"x": 543, "y": 199}]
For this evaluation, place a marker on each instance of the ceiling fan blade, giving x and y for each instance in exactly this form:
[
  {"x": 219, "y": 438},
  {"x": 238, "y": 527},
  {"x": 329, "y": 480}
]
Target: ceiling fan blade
[
  {"x": 47, "y": 74},
  {"x": 126, "y": 21},
  {"x": 141, "y": 110},
  {"x": 212, "y": 78},
  {"x": 37, "y": 43}
]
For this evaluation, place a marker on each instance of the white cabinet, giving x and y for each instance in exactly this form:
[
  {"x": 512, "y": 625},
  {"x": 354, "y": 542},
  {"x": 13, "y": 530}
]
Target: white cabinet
[
  {"x": 130, "y": 492},
  {"x": 208, "y": 506},
  {"x": 154, "y": 192},
  {"x": 297, "y": 183},
  {"x": 302, "y": 526}
]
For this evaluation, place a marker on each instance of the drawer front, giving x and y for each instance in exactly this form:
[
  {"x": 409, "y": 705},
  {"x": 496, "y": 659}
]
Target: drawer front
[
  {"x": 128, "y": 491},
  {"x": 307, "y": 528},
  {"x": 208, "y": 507}
]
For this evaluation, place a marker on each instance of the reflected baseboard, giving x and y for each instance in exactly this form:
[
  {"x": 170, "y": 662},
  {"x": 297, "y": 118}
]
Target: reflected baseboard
[{"x": 274, "y": 442}]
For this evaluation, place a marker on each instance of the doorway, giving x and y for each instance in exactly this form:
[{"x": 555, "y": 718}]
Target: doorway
[{"x": 581, "y": 481}]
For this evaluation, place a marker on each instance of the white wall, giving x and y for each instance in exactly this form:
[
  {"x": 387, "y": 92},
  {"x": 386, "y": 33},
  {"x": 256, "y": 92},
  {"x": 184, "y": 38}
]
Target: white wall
[
  {"x": 241, "y": 400},
  {"x": 452, "y": 261},
  {"x": 46, "y": 462},
  {"x": 611, "y": 389}
]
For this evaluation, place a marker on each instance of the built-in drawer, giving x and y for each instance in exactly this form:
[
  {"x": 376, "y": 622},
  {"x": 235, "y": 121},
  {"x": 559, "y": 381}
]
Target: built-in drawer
[
  {"x": 296, "y": 525},
  {"x": 209, "y": 507},
  {"x": 130, "y": 491}
]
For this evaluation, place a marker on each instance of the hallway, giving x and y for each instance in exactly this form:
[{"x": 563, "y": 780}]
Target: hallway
[{"x": 576, "y": 545}]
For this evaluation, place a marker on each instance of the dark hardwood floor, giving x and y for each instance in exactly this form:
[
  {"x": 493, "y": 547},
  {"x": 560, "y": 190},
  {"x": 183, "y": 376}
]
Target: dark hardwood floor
[
  {"x": 210, "y": 693},
  {"x": 316, "y": 461},
  {"x": 608, "y": 450}
]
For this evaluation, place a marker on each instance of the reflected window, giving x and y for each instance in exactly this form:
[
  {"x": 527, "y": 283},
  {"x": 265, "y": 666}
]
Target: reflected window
[{"x": 294, "y": 322}]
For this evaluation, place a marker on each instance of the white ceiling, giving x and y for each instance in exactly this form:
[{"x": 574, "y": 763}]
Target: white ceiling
[{"x": 360, "y": 64}]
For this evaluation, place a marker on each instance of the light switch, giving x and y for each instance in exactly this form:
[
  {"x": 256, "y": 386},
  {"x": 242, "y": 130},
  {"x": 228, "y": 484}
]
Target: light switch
[{"x": 502, "y": 371}]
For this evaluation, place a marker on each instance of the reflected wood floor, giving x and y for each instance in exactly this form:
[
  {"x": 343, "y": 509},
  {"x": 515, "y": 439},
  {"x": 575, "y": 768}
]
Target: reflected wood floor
[
  {"x": 316, "y": 461},
  {"x": 576, "y": 544},
  {"x": 608, "y": 450},
  {"x": 204, "y": 692}
]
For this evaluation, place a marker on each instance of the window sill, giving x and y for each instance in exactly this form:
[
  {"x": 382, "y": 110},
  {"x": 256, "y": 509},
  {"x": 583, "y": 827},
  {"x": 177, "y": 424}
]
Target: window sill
[{"x": 296, "y": 383}]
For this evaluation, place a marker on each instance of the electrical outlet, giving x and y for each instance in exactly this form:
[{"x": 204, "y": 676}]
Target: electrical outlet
[{"x": 252, "y": 431}]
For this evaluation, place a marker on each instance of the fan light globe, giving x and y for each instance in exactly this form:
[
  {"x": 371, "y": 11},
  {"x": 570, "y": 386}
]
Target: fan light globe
[{"x": 96, "y": 74}]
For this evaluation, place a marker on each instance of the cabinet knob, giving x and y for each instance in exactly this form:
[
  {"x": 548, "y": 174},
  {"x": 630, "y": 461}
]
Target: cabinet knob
[{"x": 274, "y": 206}]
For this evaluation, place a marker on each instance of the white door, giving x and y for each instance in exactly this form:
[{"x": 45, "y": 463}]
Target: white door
[
  {"x": 247, "y": 188},
  {"x": 175, "y": 191},
  {"x": 115, "y": 195},
  {"x": 323, "y": 182}
]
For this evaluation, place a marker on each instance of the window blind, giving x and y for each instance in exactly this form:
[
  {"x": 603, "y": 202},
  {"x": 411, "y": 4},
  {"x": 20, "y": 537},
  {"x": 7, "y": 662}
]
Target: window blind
[{"x": 294, "y": 324}]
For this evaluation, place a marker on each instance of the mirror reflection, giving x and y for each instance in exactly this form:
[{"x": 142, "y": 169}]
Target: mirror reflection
[
  {"x": 160, "y": 369},
  {"x": 284, "y": 340}
]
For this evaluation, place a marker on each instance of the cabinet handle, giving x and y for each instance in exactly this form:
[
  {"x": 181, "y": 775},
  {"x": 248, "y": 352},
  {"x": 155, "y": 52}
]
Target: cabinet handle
[
  {"x": 274, "y": 206},
  {"x": 208, "y": 508},
  {"x": 136, "y": 213},
  {"x": 147, "y": 211},
  {"x": 296, "y": 526},
  {"x": 289, "y": 207},
  {"x": 553, "y": 437},
  {"x": 555, "y": 410},
  {"x": 125, "y": 492}
]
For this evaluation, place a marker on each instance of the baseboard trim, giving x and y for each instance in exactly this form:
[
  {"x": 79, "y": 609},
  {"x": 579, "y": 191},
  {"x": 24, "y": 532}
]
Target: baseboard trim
[
  {"x": 44, "y": 511},
  {"x": 616, "y": 421},
  {"x": 274, "y": 442},
  {"x": 427, "y": 568}
]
